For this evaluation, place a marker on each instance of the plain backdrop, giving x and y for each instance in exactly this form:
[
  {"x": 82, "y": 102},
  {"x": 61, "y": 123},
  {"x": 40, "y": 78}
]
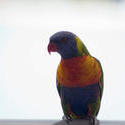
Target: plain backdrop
[{"x": 28, "y": 72}]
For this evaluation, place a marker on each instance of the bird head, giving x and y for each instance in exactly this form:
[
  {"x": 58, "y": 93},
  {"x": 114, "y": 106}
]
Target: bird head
[{"x": 67, "y": 44}]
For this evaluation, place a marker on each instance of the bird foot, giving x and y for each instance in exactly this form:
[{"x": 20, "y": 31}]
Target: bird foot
[
  {"x": 85, "y": 121},
  {"x": 67, "y": 119},
  {"x": 93, "y": 121}
]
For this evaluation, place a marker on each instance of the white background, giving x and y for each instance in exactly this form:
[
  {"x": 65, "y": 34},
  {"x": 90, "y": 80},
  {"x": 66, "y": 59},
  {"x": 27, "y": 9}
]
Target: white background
[{"x": 28, "y": 72}]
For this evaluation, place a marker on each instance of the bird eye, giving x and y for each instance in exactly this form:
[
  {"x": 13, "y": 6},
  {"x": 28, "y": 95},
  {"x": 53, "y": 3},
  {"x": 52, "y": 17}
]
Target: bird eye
[{"x": 64, "y": 39}]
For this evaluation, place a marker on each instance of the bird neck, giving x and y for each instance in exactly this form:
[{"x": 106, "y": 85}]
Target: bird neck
[{"x": 73, "y": 62}]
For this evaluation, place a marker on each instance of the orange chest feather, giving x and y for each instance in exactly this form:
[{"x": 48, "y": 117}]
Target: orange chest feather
[{"x": 78, "y": 72}]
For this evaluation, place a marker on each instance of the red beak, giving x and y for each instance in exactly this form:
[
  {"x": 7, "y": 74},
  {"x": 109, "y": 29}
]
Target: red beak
[{"x": 52, "y": 47}]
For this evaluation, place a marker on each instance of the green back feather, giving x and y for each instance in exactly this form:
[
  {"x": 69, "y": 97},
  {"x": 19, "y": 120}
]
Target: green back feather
[{"x": 81, "y": 47}]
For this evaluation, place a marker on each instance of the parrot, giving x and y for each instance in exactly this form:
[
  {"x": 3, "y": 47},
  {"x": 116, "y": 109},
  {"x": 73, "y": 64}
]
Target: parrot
[{"x": 79, "y": 77}]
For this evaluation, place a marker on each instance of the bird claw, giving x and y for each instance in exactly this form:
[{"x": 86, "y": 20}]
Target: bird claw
[
  {"x": 92, "y": 121},
  {"x": 66, "y": 119}
]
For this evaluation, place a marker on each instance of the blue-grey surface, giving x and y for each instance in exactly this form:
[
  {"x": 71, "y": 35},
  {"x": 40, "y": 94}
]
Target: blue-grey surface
[{"x": 54, "y": 122}]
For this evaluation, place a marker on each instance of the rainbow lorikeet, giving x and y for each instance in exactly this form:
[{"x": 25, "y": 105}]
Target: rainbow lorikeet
[{"x": 79, "y": 77}]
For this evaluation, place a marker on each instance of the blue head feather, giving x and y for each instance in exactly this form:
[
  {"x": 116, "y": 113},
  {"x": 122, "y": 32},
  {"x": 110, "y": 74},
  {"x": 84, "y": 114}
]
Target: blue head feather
[{"x": 66, "y": 44}]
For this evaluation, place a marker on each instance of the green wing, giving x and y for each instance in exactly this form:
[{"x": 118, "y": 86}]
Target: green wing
[
  {"x": 101, "y": 84},
  {"x": 58, "y": 87},
  {"x": 101, "y": 81},
  {"x": 64, "y": 106},
  {"x": 96, "y": 106}
]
